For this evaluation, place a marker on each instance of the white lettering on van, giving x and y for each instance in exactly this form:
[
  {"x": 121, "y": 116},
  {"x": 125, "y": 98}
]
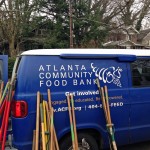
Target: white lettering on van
[
  {"x": 48, "y": 75},
  {"x": 62, "y": 68},
  {"x": 41, "y": 75},
  {"x": 73, "y": 93},
  {"x": 75, "y": 82},
  {"x": 41, "y": 68},
  {"x": 70, "y": 67},
  {"x": 55, "y": 68},
  {"x": 48, "y": 67},
  {"x": 49, "y": 83},
  {"x": 83, "y": 67},
  {"x": 77, "y": 67},
  {"x": 84, "y": 82},
  {"x": 90, "y": 74},
  {"x": 55, "y": 75},
  {"x": 41, "y": 83},
  {"x": 64, "y": 82},
  {"x": 56, "y": 83},
  {"x": 63, "y": 75}
]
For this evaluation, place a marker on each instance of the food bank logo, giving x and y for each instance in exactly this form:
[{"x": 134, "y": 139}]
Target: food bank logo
[{"x": 108, "y": 75}]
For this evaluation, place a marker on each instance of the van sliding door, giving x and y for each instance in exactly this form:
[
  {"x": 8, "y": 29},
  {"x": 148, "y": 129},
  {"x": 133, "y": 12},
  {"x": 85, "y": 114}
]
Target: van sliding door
[{"x": 140, "y": 100}]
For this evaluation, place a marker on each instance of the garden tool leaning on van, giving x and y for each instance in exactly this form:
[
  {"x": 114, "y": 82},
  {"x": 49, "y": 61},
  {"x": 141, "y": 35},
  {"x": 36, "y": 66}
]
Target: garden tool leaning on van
[
  {"x": 55, "y": 143},
  {"x": 46, "y": 114},
  {"x": 104, "y": 97},
  {"x": 7, "y": 110},
  {"x": 72, "y": 121}
]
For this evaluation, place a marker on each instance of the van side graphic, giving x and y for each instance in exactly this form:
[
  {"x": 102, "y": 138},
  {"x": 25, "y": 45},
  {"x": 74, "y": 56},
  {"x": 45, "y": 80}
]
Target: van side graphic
[{"x": 108, "y": 75}]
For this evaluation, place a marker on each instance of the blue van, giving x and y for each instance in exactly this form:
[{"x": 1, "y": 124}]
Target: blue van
[{"x": 126, "y": 74}]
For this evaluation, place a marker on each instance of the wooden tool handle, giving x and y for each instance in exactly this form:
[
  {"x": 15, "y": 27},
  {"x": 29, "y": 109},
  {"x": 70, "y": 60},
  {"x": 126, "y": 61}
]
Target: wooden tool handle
[
  {"x": 42, "y": 126},
  {"x": 71, "y": 122},
  {"x": 37, "y": 122},
  {"x": 74, "y": 121}
]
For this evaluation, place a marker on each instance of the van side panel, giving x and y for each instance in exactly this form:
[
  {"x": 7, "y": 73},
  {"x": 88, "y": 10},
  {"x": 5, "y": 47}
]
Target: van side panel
[{"x": 77, "y": 76}]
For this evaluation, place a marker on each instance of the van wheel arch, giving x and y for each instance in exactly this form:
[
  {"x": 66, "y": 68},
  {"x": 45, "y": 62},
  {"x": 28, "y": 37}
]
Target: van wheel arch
[{"x": 93, "y": 134}]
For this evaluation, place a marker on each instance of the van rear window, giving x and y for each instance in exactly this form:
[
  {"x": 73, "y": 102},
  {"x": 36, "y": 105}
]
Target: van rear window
[{"x": 141, "y": 73}]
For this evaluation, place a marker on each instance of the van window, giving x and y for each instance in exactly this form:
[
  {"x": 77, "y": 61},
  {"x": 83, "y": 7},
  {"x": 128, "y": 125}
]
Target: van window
[{"x": 141, "y": 73}]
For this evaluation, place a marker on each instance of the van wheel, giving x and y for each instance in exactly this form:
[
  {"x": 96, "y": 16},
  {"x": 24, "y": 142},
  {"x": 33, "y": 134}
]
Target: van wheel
[{"x": 85, "y": 142}]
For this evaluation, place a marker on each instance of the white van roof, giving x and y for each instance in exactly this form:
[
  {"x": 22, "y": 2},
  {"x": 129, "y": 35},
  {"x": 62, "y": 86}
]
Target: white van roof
[{"x": 135, "y": 52}]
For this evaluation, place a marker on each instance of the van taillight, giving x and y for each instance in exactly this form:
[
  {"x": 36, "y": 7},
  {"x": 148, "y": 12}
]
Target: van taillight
[{"x": 19, "y": 109}]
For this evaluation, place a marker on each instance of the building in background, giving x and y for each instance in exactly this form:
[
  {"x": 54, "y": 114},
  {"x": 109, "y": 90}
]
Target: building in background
[
  {"x": 144, "y": 38},
  {"x": 125, "y": 38}
]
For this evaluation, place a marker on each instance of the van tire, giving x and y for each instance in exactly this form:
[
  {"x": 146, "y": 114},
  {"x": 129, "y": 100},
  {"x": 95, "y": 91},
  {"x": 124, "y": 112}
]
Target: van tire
[{"x": 66, "y": 144}]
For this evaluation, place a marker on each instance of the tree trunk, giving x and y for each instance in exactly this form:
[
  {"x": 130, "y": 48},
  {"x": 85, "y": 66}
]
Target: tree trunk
[
  {"x": 17, "y": 47},
  {"x": 12, "y": 50}
]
